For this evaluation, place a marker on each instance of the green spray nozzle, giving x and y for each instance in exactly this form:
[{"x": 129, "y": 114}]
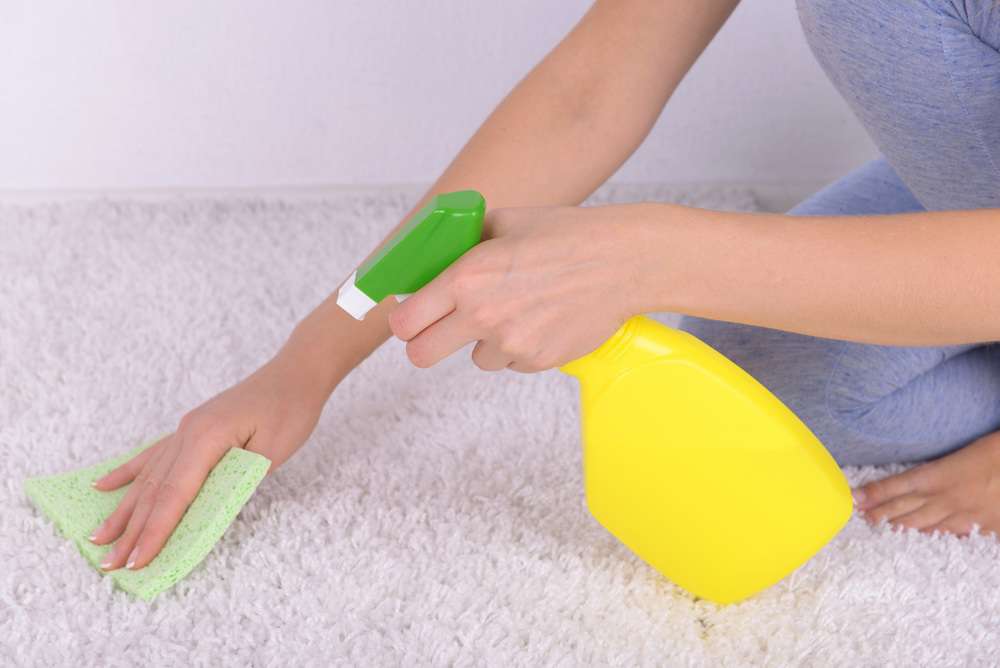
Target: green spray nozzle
[{"x": 434, "y": 237}]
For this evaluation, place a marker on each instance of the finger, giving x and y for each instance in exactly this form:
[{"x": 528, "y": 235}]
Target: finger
[
  {"x": 440, "y": 340},
  {"x": 895, "y": 507},
  {"x": 173, "y": 497},
  {"x": 425, "y": 306},
  {"x": 495, "y": 224},
  {"x": 115, "y": 523},
  {"x": 959, "y": 524},
  {"x": 880, "y": 491},
  {"x": 148, "y": 483},
  {"x": 126, "y": 472},
  {"x": 488, "y": 357},
  {"x": 923, "y": 517}
]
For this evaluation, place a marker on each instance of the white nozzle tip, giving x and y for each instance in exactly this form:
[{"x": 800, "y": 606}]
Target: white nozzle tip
[{"x": 352, "y": 300}]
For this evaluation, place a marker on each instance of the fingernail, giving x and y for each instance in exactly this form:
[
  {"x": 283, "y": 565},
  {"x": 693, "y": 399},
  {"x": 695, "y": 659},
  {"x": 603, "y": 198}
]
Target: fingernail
[
  {"x": 107, "y": 561},
  {"x": 859, "y": 496},
  {"x": 93, "y": 483},
  {"x": 131, "y": 557},
  {"x": 92, "y": 537}
]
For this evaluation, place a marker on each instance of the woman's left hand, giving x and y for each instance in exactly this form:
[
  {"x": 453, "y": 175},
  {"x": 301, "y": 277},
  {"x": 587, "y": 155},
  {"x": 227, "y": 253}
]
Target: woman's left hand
[{"x": 545, "y": 286}]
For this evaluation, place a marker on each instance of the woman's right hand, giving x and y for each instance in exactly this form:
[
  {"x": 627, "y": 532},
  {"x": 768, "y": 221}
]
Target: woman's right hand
[{"x": 271, "y": 412}]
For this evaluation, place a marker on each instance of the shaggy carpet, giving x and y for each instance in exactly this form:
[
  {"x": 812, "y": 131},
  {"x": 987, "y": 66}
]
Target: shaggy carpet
[{"x": 435, "y": 517}]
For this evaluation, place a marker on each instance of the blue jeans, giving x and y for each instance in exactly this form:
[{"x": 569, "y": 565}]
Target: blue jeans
[{"x": 923, "y": 77}]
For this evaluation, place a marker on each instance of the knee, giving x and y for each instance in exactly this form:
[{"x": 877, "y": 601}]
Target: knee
[
  {"x": 906, "y": 404},
  {"x": 838, "y": 389},
  {"x": 865, "y": 388},
  {"x": 794, "y": 367}
]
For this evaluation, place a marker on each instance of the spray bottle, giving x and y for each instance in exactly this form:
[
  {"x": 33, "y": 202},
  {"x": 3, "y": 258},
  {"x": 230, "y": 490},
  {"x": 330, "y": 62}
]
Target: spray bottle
[{"x": 687, "y": 459}]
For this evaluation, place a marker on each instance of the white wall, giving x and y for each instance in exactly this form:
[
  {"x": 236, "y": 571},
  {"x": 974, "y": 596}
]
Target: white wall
[{"x": 125, "y": 94}]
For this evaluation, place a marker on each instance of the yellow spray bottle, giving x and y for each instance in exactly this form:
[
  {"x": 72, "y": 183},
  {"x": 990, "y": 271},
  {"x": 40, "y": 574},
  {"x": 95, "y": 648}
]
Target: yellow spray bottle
[
  {"x": 687, "y": 459},
  {"x": 697, "y": 467}
]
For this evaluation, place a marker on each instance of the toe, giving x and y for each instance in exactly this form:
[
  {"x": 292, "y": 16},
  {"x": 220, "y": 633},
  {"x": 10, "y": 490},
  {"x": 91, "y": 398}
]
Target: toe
[
  {"x": 880, "y": 491},
  {"x": 959, "y": 524},
  {"x": 924, "y": 517},
  {"x": 893, "y": 508}
]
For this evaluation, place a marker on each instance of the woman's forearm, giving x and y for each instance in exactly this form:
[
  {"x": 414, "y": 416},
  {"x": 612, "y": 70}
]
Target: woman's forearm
[
  {"x": 560, "y": 133},
  {"x": 913, "y": 279},
  {"x": 582, "y": 111}
]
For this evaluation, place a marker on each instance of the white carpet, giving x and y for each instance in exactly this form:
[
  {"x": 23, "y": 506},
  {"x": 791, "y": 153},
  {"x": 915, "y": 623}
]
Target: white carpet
[{"x": 436, "y": 517}]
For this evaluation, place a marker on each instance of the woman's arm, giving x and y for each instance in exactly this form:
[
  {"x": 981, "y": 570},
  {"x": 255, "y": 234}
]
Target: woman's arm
[
  {"x": 902, "y": 279},
  {"x": 560, "y": 133},
  {"x": 914, "y": 279}
]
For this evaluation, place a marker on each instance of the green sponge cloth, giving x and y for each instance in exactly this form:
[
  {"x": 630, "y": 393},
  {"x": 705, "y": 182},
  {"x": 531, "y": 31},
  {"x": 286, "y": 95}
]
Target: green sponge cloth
[{"x": 77, "y": 509}]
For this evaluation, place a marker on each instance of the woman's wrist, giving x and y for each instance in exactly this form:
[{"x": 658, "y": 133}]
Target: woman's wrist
[
  {"x": 328, "y": 344},
  {"x": 674, "y": 249},
  {"x": 314, "y": 358},
  {"x": 297, "y": 368}
]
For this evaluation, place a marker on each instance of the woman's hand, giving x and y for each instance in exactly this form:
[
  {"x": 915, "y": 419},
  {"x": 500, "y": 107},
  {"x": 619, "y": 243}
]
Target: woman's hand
[
  {"x": 545, "y": 286},
  {"x": 271, "y": 412}
]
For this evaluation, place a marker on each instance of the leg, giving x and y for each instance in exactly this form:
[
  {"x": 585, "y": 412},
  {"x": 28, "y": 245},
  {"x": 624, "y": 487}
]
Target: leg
[
  {"x": 868, "y": 404},
  {"x": 924, "y": 79}
]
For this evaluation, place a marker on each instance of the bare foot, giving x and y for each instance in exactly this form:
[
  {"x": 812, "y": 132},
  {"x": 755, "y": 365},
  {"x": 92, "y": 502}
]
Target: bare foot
[{"x": 948, "y": 494}]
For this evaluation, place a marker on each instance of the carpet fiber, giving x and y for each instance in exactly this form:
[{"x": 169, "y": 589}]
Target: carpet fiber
[{"x": 435, "y": 517}]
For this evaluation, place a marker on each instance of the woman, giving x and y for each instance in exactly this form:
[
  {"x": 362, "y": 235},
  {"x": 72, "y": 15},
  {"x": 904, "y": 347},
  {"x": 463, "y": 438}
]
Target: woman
[{"x": 869, "y": 308}]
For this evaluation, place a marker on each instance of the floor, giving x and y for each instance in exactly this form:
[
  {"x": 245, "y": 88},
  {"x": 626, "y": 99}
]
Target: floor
[{"x": 435, "y": 517}]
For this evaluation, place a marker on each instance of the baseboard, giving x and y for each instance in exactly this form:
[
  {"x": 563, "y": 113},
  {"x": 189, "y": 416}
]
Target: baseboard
[
  {"x": 780, "y": 197},
  {"x": 776, "y": 197}
]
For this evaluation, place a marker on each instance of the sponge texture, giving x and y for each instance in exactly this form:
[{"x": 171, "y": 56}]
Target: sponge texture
[{"x": 77, "y": 509}]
